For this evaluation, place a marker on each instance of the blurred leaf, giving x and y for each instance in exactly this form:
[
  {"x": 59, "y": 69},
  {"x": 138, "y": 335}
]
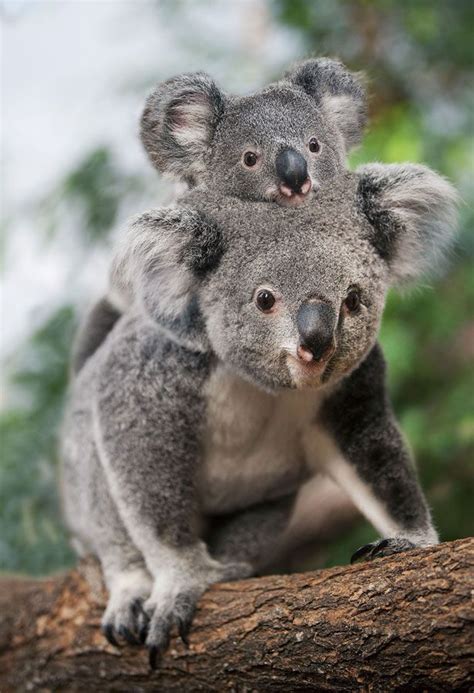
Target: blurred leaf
[
  {"x": 33, "y": 538},
  {"x": 94, "y": 191}
]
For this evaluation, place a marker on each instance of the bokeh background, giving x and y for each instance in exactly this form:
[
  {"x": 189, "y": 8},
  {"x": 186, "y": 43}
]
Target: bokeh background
[{"x": 74, "y": 78}]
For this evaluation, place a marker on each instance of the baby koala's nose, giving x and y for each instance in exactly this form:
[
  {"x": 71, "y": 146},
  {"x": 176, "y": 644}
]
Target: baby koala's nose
[
  {"x": 316, "y": 322},
  {"x": 292, "y": 170}
]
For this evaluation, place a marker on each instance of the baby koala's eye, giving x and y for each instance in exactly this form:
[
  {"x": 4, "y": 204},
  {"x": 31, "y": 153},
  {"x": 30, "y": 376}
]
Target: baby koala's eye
[
  {"x": 265, "y": 300},
  {"x": 250, "y": 159},
  {"x": 314, "y": 146},
  {"x": 352, "y": 301}
]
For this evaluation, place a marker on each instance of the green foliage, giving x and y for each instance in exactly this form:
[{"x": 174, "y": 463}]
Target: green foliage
[
  {"x": 32, "y": 537},
  {"x": 94, "y": 191}
]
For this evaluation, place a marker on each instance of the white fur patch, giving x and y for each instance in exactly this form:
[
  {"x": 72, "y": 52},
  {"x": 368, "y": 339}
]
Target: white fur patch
[
  {"x": 425, "y": 204},
  {"x": 325, "y": 455},
  {"x": 253, "y": 442},
  {"x": 151, "y": 249},
  {"x": 344, "y": 110},
  {"x": 192, "y": 122}
]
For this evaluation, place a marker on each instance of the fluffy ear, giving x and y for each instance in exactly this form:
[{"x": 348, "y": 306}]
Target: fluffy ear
[
  {"x": 162, "y": 259},
  {"x": 178, "y": 123},
  {"x": 413, "y": 212},
  {"x": 340, "y": 93}
]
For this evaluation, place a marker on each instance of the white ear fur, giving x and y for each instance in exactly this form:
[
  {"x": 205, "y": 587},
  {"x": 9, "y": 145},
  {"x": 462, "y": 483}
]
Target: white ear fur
[
  {"x": 345, "y": 113},
  {"x": 178, "y": 123},
  {"x": 148, "y": 265},
  {"x": 190, "y": 121},
  {"x": 414, "y": 214}
]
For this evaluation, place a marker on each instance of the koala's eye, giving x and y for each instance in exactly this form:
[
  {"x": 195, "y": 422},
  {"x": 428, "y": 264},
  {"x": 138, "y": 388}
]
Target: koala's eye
[
  {"x": 314, "y": 146},
  {"x": 265, "y": 300},
  {"x": 250, "y": 159},
  {"x": 352, "y": 301}
]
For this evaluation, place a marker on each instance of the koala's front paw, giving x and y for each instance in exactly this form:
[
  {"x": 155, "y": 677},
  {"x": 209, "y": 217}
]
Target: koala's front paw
[
  {"x": 174, "y": 597},
  {"x": 124, "y": 615},
  {"x": 381, "y": 548}
]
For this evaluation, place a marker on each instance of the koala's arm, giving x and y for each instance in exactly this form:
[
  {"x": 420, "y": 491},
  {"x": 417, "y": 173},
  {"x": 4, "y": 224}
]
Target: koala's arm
[{"x": 376, "y": 468}]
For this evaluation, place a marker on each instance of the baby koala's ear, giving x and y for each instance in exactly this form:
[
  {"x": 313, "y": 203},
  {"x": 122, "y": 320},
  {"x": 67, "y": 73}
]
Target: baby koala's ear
[
  {"x": 178, "y": 123},
  {"x": 163, "y": 258},
  {"x": 413, "y": 212},
  {"x": 338, "y": 92}
]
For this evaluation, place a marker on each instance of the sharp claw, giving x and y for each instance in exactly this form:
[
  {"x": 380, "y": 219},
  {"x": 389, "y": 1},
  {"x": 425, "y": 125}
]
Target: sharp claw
[
  {"x": 361, "y": 552},
  {"x": 108, "y": 632},
  {"x": 143, "y": 632},
  {"x": 154, "y": 653},
  {"x": 183, "y": 629},
  {"x": 382, "y": 544},
  {"x": 127, "y": 635}
]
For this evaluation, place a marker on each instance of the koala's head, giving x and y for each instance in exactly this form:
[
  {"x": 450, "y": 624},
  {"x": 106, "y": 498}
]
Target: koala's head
[
  {"x": 279, "y": 144},
  {"x": 293, "y": 298}
]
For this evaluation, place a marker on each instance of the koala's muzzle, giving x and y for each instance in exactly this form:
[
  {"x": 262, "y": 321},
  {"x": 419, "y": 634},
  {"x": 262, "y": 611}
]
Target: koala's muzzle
[
  {"x": 292, "y": 170},
  {"x": 316, "y": 322}
]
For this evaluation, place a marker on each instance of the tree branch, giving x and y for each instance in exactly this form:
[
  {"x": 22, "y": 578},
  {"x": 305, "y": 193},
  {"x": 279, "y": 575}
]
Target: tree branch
[{"x": 399, "y": 623}]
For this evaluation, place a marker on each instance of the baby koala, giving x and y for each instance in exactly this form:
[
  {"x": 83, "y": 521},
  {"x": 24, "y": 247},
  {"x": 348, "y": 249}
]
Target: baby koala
[
  {"x": 277, "y": 145},
  {"x": 243, "y": 387}
]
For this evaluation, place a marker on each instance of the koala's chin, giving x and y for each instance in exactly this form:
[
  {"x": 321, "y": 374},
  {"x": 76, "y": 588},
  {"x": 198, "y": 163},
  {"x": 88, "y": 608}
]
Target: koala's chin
[{"x": 305, "y": 376}]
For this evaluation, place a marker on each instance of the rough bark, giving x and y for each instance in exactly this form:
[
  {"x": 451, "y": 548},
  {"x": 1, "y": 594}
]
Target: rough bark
[{"x": 403, "y": 623}]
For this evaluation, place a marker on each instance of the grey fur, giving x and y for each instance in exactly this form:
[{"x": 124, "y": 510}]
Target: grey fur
[
  {"x": 194, "y": 132},
  {"x": 196, "y": 408}
]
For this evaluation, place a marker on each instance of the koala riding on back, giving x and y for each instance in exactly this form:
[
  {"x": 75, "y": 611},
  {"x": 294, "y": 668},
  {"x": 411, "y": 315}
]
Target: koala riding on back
[
  {"x": 239, "y": 405},
  {"x": 277, "y": 145}
]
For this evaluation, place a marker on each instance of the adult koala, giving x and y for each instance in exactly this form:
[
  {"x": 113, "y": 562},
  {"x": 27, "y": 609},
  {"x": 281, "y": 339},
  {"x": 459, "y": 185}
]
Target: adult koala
[
  {"x": 277, "y": 145},
  {"x": 242, "y": 387}
]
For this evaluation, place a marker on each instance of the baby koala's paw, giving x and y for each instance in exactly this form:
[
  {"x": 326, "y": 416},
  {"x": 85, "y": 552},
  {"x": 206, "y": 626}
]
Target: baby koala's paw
[
  {"x": 124, "y": 615},
  {"x": 381, "y": 548},
  {"x": 176, "y": 591}
]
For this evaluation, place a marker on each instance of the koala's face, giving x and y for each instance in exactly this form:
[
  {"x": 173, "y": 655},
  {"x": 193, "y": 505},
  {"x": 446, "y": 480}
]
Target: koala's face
[
  {"x": 289, "y": 297},
  {"x": 278, "y": 145},
  {"x": 297, "y": 301},
  {"x": 275, "y": 146}
]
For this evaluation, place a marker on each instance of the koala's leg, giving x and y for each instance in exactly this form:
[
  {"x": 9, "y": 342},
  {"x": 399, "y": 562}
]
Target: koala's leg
[
  {"x": 148, "y": 414},
  {"x": 252, "y": 535},
  {"x": 272, "y": 535},
  {"x": 365, "y": 453}
]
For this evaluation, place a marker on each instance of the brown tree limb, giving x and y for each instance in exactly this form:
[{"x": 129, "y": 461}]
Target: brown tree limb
[{"x": 403, "y": 623}]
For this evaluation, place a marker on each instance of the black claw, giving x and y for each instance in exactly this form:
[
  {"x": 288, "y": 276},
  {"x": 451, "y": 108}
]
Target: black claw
[
  {"x": 361, "y": 552},
  {"x": 183, "y": 629},
  {"x": 143, "y": 633},
  {"x": 154, "y": 656},
  {"x": 127, "y": 635},
  {"x": 108, "y": 632},
  {"x": 381, "y": 545}
]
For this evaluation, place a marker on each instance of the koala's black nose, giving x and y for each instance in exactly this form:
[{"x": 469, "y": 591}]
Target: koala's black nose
[
  {"x": 292, "y": 169},
  {"x": 316, "y": 322}
]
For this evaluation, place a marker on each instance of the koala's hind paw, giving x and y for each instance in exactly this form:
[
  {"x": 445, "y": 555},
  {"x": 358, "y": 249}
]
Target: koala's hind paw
[{"x": 381, "y": 548}]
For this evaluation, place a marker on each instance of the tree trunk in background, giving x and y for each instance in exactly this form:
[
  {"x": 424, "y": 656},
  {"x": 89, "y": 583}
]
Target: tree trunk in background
[{"x": 402, "y": 623}]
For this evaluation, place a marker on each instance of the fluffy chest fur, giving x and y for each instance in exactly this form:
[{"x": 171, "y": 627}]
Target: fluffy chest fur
[{"x": 253, "y": 443}]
